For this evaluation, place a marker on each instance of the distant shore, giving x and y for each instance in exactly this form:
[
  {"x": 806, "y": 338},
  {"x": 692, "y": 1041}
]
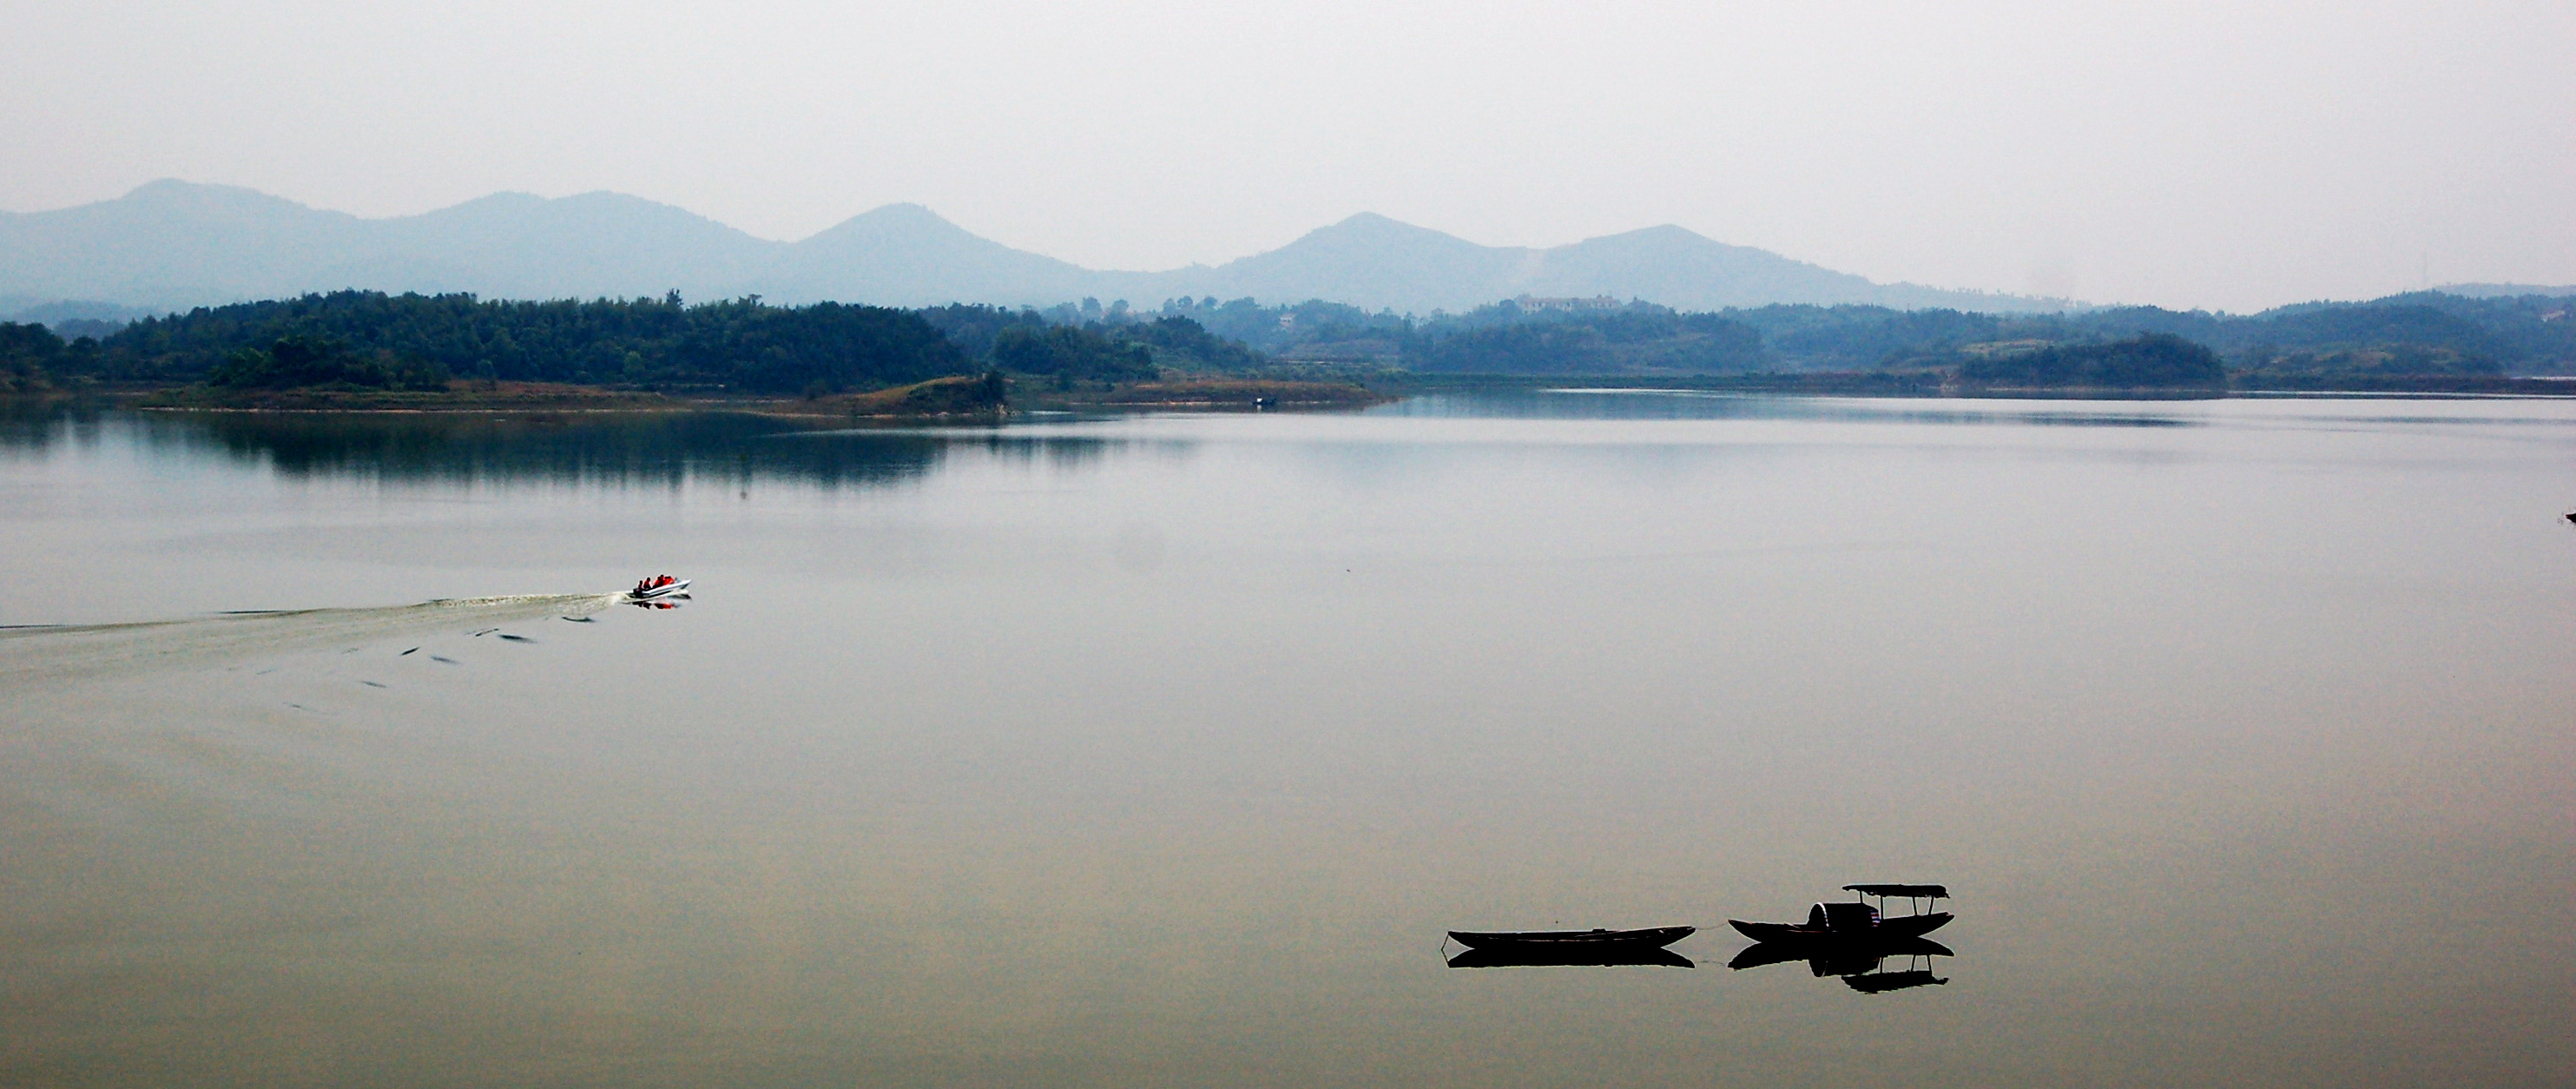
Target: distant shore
[
  {"x": 967, "y": 397},
  {"x": 1933, "y": 384}
]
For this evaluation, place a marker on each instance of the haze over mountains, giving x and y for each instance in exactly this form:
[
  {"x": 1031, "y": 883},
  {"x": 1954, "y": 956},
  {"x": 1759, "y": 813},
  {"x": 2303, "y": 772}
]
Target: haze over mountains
[{"x": 172, "y": 245}]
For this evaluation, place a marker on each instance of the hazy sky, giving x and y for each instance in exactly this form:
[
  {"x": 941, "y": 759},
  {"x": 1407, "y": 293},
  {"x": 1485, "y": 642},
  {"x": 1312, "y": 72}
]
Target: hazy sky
[{"x": 2213, "y": 154}]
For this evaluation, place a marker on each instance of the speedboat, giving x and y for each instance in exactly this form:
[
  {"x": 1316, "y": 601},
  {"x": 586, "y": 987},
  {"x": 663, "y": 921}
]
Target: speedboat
[
  {"x": 1650, "y": 938},
  {"x": 660, "y": 586}
]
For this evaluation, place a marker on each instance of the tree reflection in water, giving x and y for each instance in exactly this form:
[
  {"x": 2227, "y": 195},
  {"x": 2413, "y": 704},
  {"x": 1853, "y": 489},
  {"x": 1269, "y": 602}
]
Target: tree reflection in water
[{"x": 665, "y": 449}]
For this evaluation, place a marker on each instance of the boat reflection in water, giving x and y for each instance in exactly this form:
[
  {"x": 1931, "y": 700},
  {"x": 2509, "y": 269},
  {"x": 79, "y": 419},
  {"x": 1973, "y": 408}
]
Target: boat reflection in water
[
  {"x": 1855, "y": 942},
  {"x": 1570, "y": 948},
  {"x": 1910, "y": 976},
  {"x": 1862, "y": 963}
]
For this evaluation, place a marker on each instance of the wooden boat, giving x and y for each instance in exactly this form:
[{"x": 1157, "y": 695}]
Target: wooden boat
[
  {"x": 1651, "y": 938},
  {"x": 1572, "y": 955},
  {"x": 1840, "y": 922},
  {"x": 1827, "y": 929}
]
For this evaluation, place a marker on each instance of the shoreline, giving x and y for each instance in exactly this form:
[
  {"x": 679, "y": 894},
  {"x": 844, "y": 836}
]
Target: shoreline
[
  {"x": 943, "y": 403},
  {"x": 1932, "y": 385}
]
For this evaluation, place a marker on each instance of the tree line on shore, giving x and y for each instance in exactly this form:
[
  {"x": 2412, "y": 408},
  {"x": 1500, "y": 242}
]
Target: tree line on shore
[
  {"x": 371, "y": 340},
  {"x": 2422, "y": 333}
]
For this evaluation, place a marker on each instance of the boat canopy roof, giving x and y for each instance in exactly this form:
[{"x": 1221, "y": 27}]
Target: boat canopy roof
[{"x": 1942, "y": 891}]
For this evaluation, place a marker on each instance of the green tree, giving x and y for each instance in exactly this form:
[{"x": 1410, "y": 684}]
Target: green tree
[{"x": 1071, "y": 352}]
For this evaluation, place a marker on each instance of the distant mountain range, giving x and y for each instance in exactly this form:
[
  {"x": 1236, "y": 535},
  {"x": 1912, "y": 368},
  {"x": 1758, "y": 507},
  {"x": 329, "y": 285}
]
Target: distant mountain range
[{"x": 173, "y": 245}]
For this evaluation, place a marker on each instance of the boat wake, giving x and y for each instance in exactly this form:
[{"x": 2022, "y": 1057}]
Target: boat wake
[{"x": 49, "y": 653}]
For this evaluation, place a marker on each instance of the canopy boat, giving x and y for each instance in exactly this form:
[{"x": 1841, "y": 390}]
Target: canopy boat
[
  {"x": 659, "y": 586},
  {"x": 1651, "y": 938},
  {"x": 1854, "y": 941},
  {"x": 1855, "y": 921}
]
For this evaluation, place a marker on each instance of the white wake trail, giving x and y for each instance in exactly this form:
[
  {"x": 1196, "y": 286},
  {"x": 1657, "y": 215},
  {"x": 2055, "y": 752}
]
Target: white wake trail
[{"x": 37, "y": 655}]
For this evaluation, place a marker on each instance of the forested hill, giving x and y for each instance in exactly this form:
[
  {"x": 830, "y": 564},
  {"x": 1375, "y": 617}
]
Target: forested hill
[
  {"x": 374, "y": 340},
  {"x": 2421, "y": 332},
  {"x": 735, "y": 345}
]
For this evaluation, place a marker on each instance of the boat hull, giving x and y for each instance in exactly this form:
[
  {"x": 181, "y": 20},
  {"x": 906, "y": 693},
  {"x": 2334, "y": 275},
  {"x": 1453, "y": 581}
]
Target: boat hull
[
  {"x": 1572, "y": 955},
  {"x": 680, "y": 588},
  {"x": 1902, "y": 926},
  {"x": 1652, "y": 938}
]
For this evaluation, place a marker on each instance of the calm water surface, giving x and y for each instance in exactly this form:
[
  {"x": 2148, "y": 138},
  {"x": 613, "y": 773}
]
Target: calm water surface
[{"x": 1164, "y": 750}]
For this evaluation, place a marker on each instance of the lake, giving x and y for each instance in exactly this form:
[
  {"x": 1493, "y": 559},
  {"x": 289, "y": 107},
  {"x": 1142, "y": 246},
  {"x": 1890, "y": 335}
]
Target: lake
[{"x": 1164, "y": 750}]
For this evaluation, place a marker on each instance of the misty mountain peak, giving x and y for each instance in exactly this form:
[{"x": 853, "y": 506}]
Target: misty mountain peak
[
  {"x": 1371, "y": 220},
  {"x": 176, "y": 195},
  {"x": 908, "y": 222},
  {"x": 1370, "y": 228},
  {"x": 905, "y": 211},
  {"x": 179, "y": 189},
  {"x": 1666, "y": 233}
]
